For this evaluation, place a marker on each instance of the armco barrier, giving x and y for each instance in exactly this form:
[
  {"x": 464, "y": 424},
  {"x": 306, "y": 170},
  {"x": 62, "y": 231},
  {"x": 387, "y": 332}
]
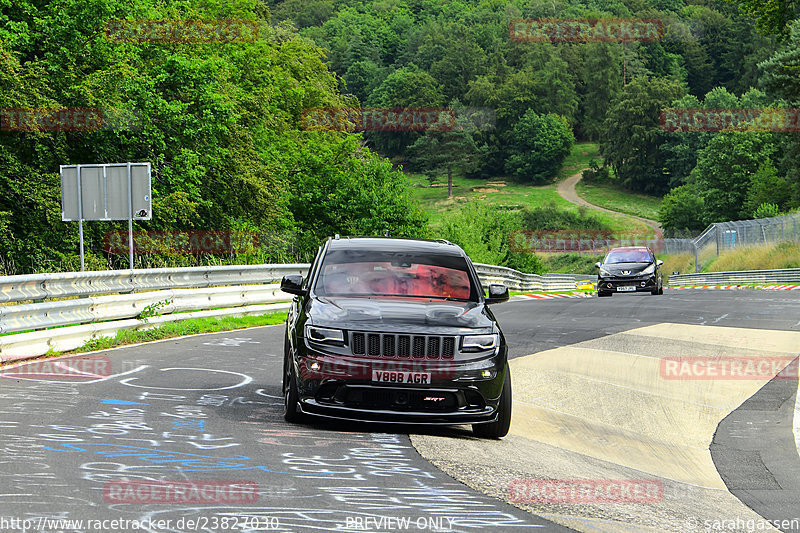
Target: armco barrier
[
  {"x": 117, "y": 307},
  {"x": 742, "y": 277},
  {"x": 520, "y": 281},
  {"x": 72, "y": 284},
  {"x": 98, "y": 304}
]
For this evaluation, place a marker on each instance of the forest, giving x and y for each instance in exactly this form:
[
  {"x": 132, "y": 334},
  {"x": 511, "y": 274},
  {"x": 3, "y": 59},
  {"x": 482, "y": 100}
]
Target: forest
[{"x": 222, "y": 122}]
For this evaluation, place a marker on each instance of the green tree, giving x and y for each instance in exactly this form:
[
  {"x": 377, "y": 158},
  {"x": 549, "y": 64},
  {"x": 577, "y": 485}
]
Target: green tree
[
  {"x": 766, "y": 187},
  {"x": 724, "y": 172},
  {"x": 449, "y": 152},
  {"x": 537, "y": 146},
  {"x": 781, "y": 80},
  {"x": 681, "y": 210},
  {"x": 558, "y": 88},
  {"x": 633, "y": 135},
  {"x": 602, "y": 78},
  {"x": 773, "y": 17},
  {"x": 406, "y": 87}
]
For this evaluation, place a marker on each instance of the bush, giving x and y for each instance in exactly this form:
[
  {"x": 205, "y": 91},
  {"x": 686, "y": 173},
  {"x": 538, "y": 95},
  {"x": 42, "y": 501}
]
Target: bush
[
  {"x": 550, "y": 217},
  {"x": 596, "y": 173},
  {"x": 481, "y": 231},
  {"x": 766, "y": 210}
]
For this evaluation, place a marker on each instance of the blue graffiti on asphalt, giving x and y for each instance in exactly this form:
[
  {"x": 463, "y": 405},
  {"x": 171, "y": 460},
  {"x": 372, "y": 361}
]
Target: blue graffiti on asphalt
[
  {"x": 186, "y": 462},
  {"x": 121, "y": 402}
]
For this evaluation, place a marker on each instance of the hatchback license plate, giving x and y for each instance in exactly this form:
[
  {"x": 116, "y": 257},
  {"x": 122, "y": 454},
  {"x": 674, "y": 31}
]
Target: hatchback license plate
[
  {"x": 626, "y": 288},
  {"x": 396, "y": 376}
]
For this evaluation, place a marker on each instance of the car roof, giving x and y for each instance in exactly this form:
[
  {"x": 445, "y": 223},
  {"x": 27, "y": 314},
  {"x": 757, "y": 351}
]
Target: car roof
[
  {"x": 629, "y": 249},
  {"x": 388, "y": 244}
]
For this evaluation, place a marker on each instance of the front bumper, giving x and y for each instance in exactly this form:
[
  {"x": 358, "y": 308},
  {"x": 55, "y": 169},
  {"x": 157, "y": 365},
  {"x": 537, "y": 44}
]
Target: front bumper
[
  {"x": 343, "y": 388},
  {"x": 640, "y": 283}
]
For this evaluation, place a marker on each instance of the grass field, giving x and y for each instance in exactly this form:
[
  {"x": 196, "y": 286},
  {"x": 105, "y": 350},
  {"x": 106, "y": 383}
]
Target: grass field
[
  {"x": 508, "y": 194},
  {"x": 640, "y": 205},
  {"x": 578, "y": 159},
  {"x": 782, "y": 255}
]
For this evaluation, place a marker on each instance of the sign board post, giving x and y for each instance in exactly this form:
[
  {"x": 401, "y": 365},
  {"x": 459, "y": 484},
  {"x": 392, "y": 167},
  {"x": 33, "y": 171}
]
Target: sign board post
[{"x": 118, "y": 191}]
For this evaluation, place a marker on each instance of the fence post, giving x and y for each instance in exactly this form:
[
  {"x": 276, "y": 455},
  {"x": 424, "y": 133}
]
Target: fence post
[{"x": 696, "y": 258}]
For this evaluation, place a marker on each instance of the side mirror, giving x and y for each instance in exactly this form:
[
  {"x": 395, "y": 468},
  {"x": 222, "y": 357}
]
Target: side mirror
[
  {"x": 497, "y": 293},
  {"x": 659, "y": 262},
  {"x": 597, "y": 265},
  {"x": 293, "y": 284}
]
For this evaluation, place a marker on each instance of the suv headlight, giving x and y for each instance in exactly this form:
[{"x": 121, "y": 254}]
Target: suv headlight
[
  {"x": 325, "y": 335},
  {"x": 649, "y": 270},
  {"x": 480, "y": 343}
]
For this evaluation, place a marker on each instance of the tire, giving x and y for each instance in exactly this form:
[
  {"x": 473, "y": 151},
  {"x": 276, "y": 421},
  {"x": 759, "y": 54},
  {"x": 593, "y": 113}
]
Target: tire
[
  {"x": 655, "y": 292},
  {"x": 601, "y": 294},
  {"x": 661, "y": 290},
  {"x": 291, "y": 411},
  {"x": 498, "y": 428}
]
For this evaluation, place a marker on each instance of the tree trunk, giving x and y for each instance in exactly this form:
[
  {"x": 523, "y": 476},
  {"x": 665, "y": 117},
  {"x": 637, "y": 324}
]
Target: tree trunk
[{"x": 449, "y": 183}]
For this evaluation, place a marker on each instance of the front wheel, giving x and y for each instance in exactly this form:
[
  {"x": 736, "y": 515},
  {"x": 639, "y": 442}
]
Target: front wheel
[
  {"x": 291, "y": 412},
  {"x": 498, "y": 428}
]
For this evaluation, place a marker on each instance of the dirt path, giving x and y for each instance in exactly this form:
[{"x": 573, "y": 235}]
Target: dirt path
[{"x": 566, "y": 189}]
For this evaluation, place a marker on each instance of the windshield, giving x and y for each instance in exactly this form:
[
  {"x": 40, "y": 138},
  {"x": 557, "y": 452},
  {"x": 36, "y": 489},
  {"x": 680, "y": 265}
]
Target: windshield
[
  {"x": 360, "y": 273},
  {"x": 627, "y": 256}
]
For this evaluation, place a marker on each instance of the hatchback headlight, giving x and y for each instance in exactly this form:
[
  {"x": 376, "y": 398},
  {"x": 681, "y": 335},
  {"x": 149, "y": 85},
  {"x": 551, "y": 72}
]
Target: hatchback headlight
[
  {"x": 649, "y": 270},
  {"x": 604, "y": 273},
  {"x": 480, "y": 343},
  {"x": 325, "y": 335}
]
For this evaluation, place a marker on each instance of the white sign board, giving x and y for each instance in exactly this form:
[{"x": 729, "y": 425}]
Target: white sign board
[{"x": 118, "y": 191}]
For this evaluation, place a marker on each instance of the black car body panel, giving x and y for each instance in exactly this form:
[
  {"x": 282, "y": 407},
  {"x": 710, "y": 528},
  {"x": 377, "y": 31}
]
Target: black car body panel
[{"x": 420, "y": 335}]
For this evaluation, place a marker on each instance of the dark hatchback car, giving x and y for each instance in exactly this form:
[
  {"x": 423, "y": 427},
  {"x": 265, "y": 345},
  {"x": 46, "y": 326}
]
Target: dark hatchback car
[
  {"x": 395, "y": 330},
  {"x": 629, "y": 269}
]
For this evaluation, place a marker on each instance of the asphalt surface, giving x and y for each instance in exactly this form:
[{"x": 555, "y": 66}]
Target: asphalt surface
[{"x": 208, "y": 408}]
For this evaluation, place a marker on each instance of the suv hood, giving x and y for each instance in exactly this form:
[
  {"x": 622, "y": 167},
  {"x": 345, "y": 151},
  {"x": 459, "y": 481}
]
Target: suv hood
[{"x": 404, "y": 315}]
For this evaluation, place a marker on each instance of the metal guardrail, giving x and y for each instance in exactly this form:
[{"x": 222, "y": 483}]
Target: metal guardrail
[
  {"x": 520, "y": 281},
  {"x": 99, "y": 308},
  {"x": 73, "y": 284},
  {"x": 93, "y": 304},
  {"x": 743, "y": 277}
]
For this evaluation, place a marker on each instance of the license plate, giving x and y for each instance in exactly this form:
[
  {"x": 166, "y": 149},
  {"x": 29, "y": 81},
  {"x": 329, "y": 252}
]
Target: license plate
[
  {"x": 626, "y": 288},
  {"x": 396, "y": 376}
]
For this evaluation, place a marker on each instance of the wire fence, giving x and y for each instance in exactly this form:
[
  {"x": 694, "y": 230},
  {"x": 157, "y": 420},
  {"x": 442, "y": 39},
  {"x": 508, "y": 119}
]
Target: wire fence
[{"x": 722, "y": 236}]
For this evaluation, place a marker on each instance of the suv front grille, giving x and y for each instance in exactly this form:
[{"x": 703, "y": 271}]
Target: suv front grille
[{"x": 394, "y": 345}]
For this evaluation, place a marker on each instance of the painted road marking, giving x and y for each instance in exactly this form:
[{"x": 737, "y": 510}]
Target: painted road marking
[
  {"x": 797, "y": 420},
  {"x": 605, "y": 409}
]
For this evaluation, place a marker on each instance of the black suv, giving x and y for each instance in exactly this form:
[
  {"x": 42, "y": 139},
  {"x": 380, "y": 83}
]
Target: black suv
[
  {"x": 395, "y": 330},
  {"x": 629, "y": 269}
]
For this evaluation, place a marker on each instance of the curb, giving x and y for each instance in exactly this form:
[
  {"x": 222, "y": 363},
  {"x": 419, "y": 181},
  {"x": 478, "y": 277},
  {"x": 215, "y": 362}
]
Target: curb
[
  {"x": 553, "y": 296},
  {"x": 741, "y": 287}
]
